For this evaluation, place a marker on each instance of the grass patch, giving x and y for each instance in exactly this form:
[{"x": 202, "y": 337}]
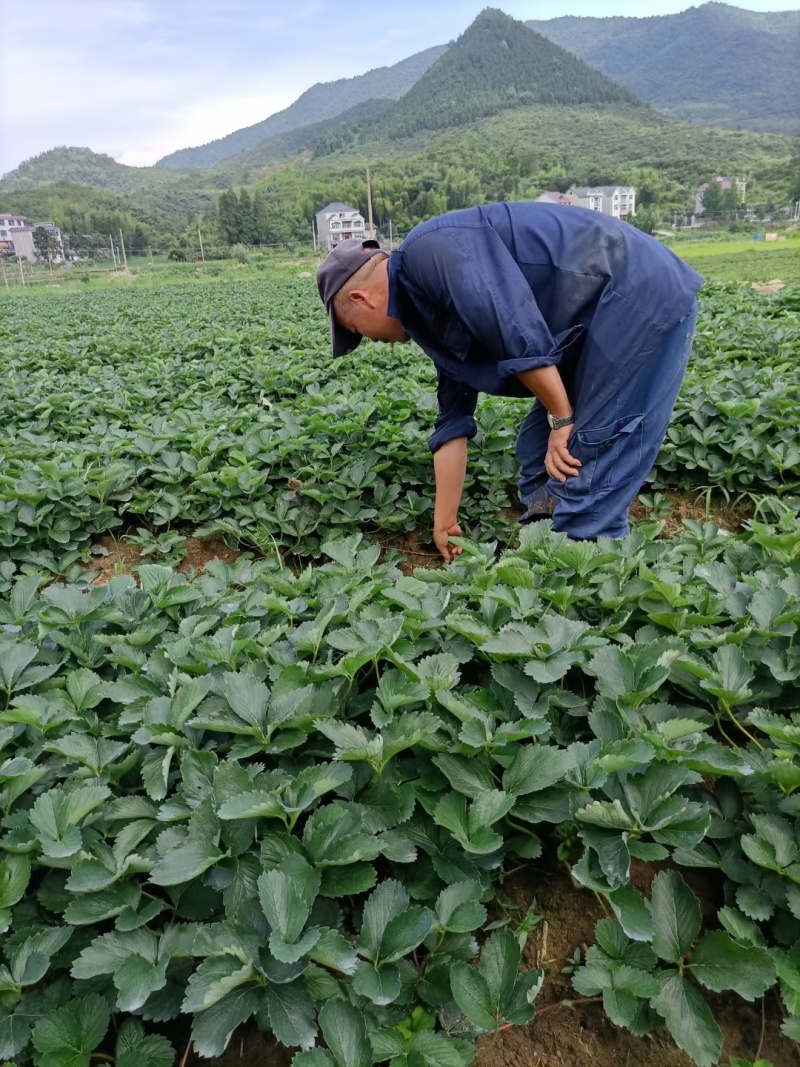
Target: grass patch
[{"x": 747, "y": 263}]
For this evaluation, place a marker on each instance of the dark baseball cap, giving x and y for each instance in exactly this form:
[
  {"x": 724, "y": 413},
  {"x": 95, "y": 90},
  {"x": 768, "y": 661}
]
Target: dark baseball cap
[{"x": 338, "y": 267}]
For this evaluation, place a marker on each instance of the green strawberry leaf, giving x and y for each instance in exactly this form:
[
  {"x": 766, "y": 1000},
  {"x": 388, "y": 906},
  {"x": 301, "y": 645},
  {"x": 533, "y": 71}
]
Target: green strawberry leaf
[
  {"x": 719, "y": 963},
  {"x": 472, "y": 995},
  {"x": 345, "y": 1033},
  {"x": 689, "y": 1020},
  {"x": 185, "y": 862},
  {"x": 292, "y": 1014},
  {"x": 287, "y": 895},
  {"x": 135, "y": 979},
  {"x": 535, "y": 767},
  {"x": 135, "y": 1048},
  {"x": 315, "y": 1057},
  {"x": 380, "y": 985},
  {"x": 457, "y": 908},
  {"x": 213, "y": 1027},
  {"x": 68, "y": 1036},
  {"x": 676, "y": 916}
]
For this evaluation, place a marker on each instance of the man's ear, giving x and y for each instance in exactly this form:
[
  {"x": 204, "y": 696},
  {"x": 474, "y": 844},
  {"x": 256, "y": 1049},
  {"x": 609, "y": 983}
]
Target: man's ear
[{"x": 362, "y": 299}]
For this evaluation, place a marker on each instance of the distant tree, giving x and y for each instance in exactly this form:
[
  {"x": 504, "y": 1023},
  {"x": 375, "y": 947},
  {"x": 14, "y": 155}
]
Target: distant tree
[
  {"x": 717, "y": 200},
  {"x": 46, "y": 244},
  {"x": 228, "y": 217},
  {"x": 647, "y": 219},
  {"x": 137, "y": 241},
  {"x": 260, "y": 235},
  {"x": 650, "y": 185},
  {"x": 88, "y": 245},
  {"x": 248, "y": 232}
]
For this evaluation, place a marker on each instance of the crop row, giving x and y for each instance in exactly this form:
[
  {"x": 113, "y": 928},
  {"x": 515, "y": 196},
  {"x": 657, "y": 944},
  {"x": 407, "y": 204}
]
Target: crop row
[
  {"x": 286, "y": 797},
  {"x": 221, "y": 408}
]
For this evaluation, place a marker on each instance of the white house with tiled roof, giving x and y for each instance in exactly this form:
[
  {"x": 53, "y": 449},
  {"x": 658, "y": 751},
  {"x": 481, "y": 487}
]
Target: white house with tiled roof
[
  {"x": 337, "y": 222},
  {"x": 9, "y": 223},
  {"x": 616, "y": 200}
]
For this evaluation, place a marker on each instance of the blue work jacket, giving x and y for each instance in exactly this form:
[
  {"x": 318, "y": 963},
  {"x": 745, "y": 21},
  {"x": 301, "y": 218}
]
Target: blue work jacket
[{"x": 491, "y": 291}]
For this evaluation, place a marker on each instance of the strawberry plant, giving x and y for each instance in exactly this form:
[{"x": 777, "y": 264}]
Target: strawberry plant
[{"x": 285, "y": 798}]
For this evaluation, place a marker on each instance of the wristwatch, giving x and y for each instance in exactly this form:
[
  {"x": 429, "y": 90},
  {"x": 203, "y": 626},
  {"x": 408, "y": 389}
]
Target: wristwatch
[{"x": 556, "y": 424}]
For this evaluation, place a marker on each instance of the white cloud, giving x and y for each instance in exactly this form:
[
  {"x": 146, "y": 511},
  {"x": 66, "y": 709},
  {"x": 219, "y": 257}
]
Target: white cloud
[{"x": 119, "y": 77}]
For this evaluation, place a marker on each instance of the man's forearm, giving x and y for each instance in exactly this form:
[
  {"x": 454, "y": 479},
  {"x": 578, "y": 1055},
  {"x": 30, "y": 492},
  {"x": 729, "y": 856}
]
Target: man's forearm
[
  {"x": 546, "y": 385},
  {"x": 450, "y": 467}
]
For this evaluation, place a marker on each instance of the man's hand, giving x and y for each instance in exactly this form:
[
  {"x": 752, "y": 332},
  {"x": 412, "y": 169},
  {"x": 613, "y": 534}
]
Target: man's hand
[
  {"x": 558, "y": 463},
  {"x": 441, "y": 535}
]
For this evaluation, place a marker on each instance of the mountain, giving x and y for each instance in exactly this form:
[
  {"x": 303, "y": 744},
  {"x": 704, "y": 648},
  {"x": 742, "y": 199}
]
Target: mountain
[
  {"x": 714, "y": 64},
  {"x": 323, "y": 101},
  {"x": 169, "y": 197},
  {"x": 82, "y": 166},
  {"x": 496, "y": 64}
]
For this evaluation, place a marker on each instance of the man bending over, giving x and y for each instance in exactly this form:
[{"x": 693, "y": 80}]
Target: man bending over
[{"x": 582, "y": 311}]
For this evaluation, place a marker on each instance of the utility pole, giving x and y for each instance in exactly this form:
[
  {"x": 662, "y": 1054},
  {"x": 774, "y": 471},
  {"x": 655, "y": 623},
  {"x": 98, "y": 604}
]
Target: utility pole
[
  {"x": 122, "y": 246},
  {"x": 21, "y": 271},
  {"x": 202, "y": 253},
  {"x": 314, "y": 234},
  {"x": 150, "y": 250},
  {"x": 113, "y": 253},
  {"x": 371, "y": 229},
  {"x": 5, "y": 276},
  {"x": 391, "y": 243}
]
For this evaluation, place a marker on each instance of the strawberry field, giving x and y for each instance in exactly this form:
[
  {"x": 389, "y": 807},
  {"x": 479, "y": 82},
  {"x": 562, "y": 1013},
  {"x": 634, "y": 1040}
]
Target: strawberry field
[{"x": 290, "y": 792}]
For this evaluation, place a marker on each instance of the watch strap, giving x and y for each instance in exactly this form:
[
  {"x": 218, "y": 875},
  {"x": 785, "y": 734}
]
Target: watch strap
[{"x": 557, "y": 424}]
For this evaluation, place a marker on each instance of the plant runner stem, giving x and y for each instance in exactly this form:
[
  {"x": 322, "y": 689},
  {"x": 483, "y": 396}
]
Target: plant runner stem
[
  {"x": 744, "y": 730},
  {"x": 554, "y": 1007}
]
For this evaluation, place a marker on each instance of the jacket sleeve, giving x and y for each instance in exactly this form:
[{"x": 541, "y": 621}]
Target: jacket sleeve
[
  {"x": 456, "y": 411},
  {"x": 468, "y": 271}
]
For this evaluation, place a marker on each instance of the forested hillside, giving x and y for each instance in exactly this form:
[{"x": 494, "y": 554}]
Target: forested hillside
[
  {"x": 496, "y": 64},
  {"x": 512, "y": 155},
  {"x": 714, "y": 64},
  {"x": 84, "y": 167},
  {"x": 518, "y": 153}
]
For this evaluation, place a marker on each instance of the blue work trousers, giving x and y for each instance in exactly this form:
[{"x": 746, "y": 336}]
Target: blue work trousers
[{"x": 617, "y": 446}]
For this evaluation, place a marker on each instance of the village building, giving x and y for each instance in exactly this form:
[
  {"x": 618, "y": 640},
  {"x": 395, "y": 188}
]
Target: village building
[
  {"x": 619, "y": 201},
  {"x": 337, "y": 222}
]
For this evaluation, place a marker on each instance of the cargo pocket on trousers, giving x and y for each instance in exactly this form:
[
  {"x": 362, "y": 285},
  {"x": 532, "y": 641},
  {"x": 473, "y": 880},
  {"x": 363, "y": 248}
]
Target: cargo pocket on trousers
[{"x": 612, "y": 453}]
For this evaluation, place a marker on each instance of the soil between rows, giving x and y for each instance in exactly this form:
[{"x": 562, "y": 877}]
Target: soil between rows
[
  {"x": 579, "y": 1036},
  {"x": 121, "y": 557}
]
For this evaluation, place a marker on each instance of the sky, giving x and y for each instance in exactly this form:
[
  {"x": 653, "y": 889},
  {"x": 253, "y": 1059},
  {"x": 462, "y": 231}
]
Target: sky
[{"x": 138, "y": 79}]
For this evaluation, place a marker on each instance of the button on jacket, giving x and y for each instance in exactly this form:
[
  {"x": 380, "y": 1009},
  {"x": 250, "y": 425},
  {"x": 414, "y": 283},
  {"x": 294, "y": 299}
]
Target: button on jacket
[{"x": 492, "y": 291}]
